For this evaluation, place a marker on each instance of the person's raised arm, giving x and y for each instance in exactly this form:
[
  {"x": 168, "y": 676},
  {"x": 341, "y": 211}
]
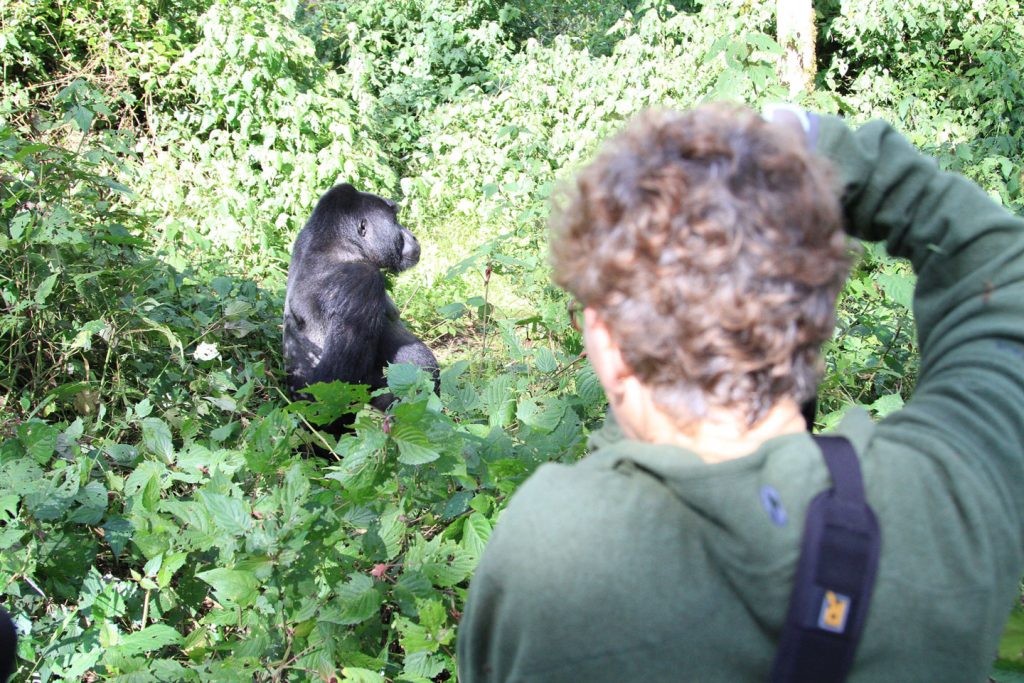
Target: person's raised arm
[{"x": 968, "y": 253}]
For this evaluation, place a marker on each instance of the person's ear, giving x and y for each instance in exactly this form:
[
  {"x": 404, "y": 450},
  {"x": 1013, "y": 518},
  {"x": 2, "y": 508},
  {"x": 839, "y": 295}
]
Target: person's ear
[
  {"x": 604, "y": 353},
  {"x": 628, "y": 397}
]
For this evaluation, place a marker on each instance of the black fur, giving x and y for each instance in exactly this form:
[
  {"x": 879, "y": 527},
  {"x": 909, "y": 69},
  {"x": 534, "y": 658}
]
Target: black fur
[{"x": 339, "y": 322}]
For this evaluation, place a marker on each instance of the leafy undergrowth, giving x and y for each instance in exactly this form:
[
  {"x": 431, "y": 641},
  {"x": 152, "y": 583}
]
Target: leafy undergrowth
[{"x": 229, "y": 557}]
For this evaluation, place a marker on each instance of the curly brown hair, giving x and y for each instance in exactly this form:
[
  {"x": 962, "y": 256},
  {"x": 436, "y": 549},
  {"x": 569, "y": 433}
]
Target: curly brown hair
[{"x": 711, "y": 244}]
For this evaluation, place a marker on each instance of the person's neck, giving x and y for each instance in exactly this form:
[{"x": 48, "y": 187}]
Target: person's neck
[{"x": 719, "y": 436}]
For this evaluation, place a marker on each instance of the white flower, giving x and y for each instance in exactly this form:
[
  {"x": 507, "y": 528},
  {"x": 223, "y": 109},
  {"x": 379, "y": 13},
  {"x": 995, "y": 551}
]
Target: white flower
[{"x": 206, "y": 352}]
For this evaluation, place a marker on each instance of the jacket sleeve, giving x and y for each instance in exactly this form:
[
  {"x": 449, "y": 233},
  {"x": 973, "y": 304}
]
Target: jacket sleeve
[{"x": 968, "y": 254}]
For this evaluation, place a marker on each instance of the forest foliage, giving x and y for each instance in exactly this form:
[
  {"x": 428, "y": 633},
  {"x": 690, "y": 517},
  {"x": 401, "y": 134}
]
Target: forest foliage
[{"x": 157, "y": 158}]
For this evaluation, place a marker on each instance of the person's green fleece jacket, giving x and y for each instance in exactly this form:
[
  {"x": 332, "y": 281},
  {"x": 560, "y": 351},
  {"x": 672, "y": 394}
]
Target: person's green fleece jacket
[{"x": 643, "y": 563}]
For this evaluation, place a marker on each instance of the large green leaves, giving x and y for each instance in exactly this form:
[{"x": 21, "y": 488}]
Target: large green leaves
[{"x": 232, "y": 586}]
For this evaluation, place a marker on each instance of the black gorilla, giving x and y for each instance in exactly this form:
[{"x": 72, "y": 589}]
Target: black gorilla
[{"x": 339, "y": 322}]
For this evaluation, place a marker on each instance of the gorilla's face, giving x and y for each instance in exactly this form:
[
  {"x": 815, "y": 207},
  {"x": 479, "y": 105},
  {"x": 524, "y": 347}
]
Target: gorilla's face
[
  {"x": 364, "y": 227},
  {"x": 375, "y": 231}
]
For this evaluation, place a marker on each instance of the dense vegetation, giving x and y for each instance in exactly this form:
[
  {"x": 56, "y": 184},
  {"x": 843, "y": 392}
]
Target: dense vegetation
[{"x": 157, "y": 157}]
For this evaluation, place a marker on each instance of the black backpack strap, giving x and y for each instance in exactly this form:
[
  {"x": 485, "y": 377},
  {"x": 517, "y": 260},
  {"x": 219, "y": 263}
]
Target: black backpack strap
[{"x": 832, "y": 590}]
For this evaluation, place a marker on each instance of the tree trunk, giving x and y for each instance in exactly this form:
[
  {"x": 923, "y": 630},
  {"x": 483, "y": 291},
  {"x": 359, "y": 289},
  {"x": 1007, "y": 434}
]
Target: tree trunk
[{"x": 794, "y": 20}]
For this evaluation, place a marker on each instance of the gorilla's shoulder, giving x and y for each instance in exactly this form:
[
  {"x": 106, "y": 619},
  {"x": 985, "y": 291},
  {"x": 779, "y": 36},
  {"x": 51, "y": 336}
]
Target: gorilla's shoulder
[{"x": 358, "y": 282}]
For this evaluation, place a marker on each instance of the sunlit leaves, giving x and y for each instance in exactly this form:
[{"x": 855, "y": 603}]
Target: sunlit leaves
[
  {"x": 228, "y": 513},
  {"x": 231, "y": 586},
  {"x": 333, "y": 400},
  {"x": 148, "y": 639}
]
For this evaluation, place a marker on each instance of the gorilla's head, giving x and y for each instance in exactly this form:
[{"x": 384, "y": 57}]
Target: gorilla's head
[{"x": 359, "y": 226}]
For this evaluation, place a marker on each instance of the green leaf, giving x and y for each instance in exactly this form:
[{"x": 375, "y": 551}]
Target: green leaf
[
  {"x": 92, "y": 502},
  {"x": 149, "y": 639},
  {"x": 223, "y": 432},
  {"x": 1006, "y": 673},
  {"x": 44, "y": 289},
  {"x": 82, "y": 117},
  {"x": 232, "y": 586},
  {"x": 545, "y": 360},
  {"x": 109, "y": 604},
  {"x": 151, "y": 493},
  {"x": 764, "y": 42},
  {"x": 511, "y": 339},
  {"x": 171, "y": 564},
  {"x": 887, "y": 404},
  {"x": 457, "y": 504},
  {"x": 81, "y": 662},
  {"x": 432, "y": 615},
  {"x": 357, "y": 675},
  {"x": 225, "y": 403},
  {"x": 1011, "y": 647},
  {"x": 294, "y": 492},
  {"x": 52, "y": 498},
  {"x": 414, "y": 444},
  {"x": 39, "y": 439},
  {"x": 156, "y": 438},
  {"x": 453, "y": 311},
  {"x": 442, "y": 561},
  {"x": 415, "y": 637},
  {"x": 391, "y": 530},
  {"x": 359, "y": 462},
  {"x": 18, "y": 225},
  {"x": 120, "y": 188},
  {"x": 543, "y": 417},
  {"x": 403, "y": 377},
  {"x": 143, "y": 408},
  {"x": 230, "y": 514},
  {"x": 172, "y": 339},
  {"x": 332, "y": 400},
  {"x": 499, "y": 401},
  {"x": 466, "y": 399},
  {"x": 588, "y": 387},
  {"x": 85, "y": 334},
  {"x": 357, "y": 600},
  {"x": 899, "y": 288},
  {"x": 117, "y": 531},
  {"x": 422, "y": 665},
  {"x": 476, "y": 530}
]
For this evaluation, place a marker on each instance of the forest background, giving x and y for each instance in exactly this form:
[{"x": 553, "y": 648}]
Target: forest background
[{"x": 158, "y": 157}]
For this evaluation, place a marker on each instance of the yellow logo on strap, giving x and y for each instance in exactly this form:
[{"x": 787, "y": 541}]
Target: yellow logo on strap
[{"x": 835, "y": 607}]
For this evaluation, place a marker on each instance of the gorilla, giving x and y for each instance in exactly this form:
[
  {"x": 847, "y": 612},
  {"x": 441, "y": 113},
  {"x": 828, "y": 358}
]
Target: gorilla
[{"x": 339, "y": 322}]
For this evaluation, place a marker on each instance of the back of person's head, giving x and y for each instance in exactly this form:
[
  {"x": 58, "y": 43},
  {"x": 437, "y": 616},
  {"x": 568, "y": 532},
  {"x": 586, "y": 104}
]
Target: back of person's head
[{"x": 710, "y": 242}]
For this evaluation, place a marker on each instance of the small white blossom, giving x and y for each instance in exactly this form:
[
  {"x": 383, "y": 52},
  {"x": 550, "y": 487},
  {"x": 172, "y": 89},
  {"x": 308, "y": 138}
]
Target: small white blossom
[{"x": 206, "y": 352}]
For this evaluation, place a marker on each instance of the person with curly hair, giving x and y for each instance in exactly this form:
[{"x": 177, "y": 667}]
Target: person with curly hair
[{"x": 707, "y": 249}]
